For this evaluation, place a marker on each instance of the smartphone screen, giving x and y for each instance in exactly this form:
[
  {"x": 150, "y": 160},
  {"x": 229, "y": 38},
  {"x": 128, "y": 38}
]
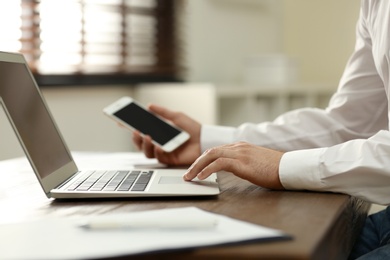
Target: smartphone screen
[{"x": 147, "y": 123}]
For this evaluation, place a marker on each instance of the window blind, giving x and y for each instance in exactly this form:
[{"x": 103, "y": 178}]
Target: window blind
[{"x": 108, "y": 39}]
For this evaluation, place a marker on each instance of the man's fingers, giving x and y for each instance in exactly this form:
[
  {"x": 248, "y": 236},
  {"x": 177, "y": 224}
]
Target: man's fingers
[
  {"x": 137, "y": 139},
  {"x": 148, "y": 147},
  {"x": 161, "y": 111},
  {"x": 212, "y": 160},
  {"x": 220, "y": 164}
]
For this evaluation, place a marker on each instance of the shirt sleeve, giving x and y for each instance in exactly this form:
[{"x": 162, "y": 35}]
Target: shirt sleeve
[
  {"x": 359, "y": 165},
  {"x": 357, "y": 110},
  {"x": 342, "y": 148},
  {"x": 360, "y": 168},
  {"x": 212, "y": 136}
]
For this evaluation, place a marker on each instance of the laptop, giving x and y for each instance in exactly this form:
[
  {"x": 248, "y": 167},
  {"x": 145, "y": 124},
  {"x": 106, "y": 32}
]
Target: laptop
[{"x": 52, "y": 161}]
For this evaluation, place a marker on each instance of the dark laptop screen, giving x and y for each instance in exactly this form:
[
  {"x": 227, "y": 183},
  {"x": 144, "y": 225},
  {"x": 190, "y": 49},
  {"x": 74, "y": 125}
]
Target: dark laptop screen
[{"x": 33, "y": 122}]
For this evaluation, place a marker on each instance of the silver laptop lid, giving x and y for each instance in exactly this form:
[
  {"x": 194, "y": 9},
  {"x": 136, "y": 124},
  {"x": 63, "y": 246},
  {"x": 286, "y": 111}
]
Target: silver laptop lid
[{"x": 33, "y": 123}]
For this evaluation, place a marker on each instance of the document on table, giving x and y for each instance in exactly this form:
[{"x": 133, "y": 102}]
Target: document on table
[
  {"x": 125, "y": 160},
  {"x": 67, "y": 238}
]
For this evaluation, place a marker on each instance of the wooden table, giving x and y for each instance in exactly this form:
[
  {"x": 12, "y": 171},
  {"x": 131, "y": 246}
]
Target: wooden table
[{"x": 323, "y": 225}]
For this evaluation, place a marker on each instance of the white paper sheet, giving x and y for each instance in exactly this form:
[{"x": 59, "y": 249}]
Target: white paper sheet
[
  {"x": 64, "y": 238},
  {"x": 123, "y": 160},
  {"x": 92, "y": 160}
]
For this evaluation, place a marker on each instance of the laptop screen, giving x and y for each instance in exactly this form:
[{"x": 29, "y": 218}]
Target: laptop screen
[{"x": 32, "y": 120}]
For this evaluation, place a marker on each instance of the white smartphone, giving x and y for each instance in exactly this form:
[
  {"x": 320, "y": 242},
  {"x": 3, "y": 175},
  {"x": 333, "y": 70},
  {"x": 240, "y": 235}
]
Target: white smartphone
[{"x": 132, "y": 115}]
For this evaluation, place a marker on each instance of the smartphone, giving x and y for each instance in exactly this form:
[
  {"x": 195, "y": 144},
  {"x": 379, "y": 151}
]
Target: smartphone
[{"x": 132, "y": 115}]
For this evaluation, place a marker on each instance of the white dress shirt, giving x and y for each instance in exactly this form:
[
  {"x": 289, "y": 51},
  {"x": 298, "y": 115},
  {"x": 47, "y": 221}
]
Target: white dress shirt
[{"x": 345, "y": 147}]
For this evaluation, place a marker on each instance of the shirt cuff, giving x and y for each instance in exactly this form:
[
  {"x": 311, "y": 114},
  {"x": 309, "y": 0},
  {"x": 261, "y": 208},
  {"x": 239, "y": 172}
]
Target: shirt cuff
[
  {"x": 212, "y": 136},
  {"x": 300, "y": 170}
]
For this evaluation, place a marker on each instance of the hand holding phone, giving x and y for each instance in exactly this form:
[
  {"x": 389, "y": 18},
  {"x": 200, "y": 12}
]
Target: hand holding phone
[{"x": 132, "y": 115}]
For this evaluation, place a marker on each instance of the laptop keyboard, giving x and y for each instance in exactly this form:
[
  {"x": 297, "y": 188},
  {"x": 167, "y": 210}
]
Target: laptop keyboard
[{"x": 135, "y": 180}]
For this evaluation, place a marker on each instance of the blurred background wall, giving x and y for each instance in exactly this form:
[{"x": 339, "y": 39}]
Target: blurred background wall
[{"x": 220, "y": 36}]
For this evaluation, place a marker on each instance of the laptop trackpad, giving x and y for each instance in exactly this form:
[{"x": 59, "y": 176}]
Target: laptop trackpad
[{"x": 171, "y": 180}]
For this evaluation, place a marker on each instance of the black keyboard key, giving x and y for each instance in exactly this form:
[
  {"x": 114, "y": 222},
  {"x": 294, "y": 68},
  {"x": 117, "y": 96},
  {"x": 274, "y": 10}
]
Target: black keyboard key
[
  {"x": 114, "y": 183},
  {"x": 139, "y": 187},
  {"x": 102, "y": 182},
  {"x": 129, "y": 181},
  {"x": 79, "y": 181},
  {"x": 125, "y": 186},
  {"x": 112, "y": 180},
  {"x": 144, "y": 178},
  {"x": 142, "y": 181},
  {"x": 87, "y": 184}
]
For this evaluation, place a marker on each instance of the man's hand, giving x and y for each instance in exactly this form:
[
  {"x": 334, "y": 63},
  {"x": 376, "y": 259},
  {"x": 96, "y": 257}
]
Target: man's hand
[
  {"x": 186, "y": 153},
  {"x": 256, "y": 164}
]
